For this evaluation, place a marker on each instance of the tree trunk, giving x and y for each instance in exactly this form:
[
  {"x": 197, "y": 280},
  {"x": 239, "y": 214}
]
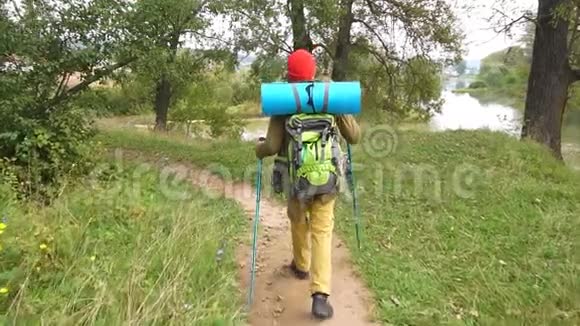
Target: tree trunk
[
  {"x": 163, "y": 91},
  {"x": 162, "y": 100},
  {"x": 343, "y": 44},
  {"x": 300, "y": 32},
  {"x": 549, "y": 80}
]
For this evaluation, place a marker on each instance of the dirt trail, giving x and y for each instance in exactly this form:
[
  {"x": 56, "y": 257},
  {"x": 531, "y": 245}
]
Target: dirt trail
[{"x": 281, "y": 299}]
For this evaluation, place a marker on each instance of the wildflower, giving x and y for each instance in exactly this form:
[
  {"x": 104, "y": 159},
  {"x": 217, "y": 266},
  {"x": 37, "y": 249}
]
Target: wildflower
[
  {"x": 43, "y": 246},
  {"x": 3, "y": 290},
  {"x": 2, "y": 227},
  {"x": 93, "y": 258}
]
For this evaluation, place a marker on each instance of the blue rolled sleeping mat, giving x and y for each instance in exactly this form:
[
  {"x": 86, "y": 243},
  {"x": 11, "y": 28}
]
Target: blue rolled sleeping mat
[{"x": 284, "y": 98}]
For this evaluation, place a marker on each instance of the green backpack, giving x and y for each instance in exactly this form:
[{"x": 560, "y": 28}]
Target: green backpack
[{"x": 315, "y": 160}]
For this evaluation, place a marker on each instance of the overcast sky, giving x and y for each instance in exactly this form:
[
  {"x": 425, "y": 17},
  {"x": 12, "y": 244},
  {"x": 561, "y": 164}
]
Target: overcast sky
[{"x": 481, "y": 39}]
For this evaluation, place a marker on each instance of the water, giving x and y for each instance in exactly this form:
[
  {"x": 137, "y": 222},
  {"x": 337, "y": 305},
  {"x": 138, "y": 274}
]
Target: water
[{"x": 462, "y": 111}]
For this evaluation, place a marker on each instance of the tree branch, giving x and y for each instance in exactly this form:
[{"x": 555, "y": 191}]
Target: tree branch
[
  {"x": 507, "y": 27},
  {"x": 284, "y": 46},
  {"x": 65, "y": 78},
  {"x": 88, "y": 81},
  {"x": 323, "y": 46},
  {"x": 16, "y": 9},
  {"x": 575, "y": 75},
  {"x": 371, "y": 6},
  {"x": 575, "y": 26},
  {"x": 208, "y": 37},
  {"x": 375, "y": 33},
  {"x": 384, "y": 45}
]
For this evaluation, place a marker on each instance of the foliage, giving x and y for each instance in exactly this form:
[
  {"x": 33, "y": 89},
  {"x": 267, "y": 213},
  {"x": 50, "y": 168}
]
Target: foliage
[
  {"x": 41, "y": 150},
  {"x": 209, "y": 100},
  {"x": 505, "y": 73},
  {"x": 477, "y": 84},
  {"x": 168, "y": 63},
  {"x": 127, "y": 98},
  {"x": 400, "y": 90},
  {"x": 108, "y": 249},
  {"x": 44, "y": 135}
]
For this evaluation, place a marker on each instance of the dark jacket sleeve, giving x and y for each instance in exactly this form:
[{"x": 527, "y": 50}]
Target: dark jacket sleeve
[
  {"x": 274, "y": 138},
  {"x": 349, "y": 128}
]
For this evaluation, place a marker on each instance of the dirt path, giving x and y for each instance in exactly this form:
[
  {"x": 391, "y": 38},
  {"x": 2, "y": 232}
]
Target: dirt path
[{"x": 281, "y": 299}]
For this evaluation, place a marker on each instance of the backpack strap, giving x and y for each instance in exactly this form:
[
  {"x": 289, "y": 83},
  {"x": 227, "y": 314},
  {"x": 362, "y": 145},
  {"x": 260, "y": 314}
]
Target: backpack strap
[
  {"x": 335, "y": 149},
  {"x": 325, "y": 103},
  {"x": 323, "y": 144},
  {"x": 297, "y": 98}
]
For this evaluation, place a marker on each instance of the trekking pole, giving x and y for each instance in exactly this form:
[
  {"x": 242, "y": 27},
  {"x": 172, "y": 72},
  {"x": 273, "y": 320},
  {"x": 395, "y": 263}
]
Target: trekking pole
[
  {"x": 355, "y": 209},
  {"x": 255, "y": 233}
]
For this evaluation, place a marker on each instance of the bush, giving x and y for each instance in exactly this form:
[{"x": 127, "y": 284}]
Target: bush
[
  {"x": 209, "y": 101},
  {"x": 127, "y": 99},
  {"x": 478, "y": 84},
  {"x": 40, "y": 146}
]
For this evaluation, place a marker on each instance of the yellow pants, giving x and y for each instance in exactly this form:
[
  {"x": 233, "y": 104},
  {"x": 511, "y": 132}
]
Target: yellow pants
[{"x": 313, "y": 224}]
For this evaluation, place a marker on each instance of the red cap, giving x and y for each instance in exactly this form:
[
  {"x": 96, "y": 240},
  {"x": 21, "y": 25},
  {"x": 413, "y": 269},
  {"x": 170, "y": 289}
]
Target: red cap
[{"x": 301, "y": 66}]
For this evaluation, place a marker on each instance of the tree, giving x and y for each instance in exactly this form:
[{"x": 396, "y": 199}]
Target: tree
[
  {"x": 393, "y": 33},
  {"x": 552, "y": 72},
  {"x": 44, "y": 133},
  {"x": 209, "y": 98},
  {"x": 166, "y": 25},
  {"x": 461, "y": 67}
]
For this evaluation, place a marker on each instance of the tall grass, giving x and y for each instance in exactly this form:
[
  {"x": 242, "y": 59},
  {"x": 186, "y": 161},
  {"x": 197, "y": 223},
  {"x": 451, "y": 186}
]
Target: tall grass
[{"x": 121, "y": 249}]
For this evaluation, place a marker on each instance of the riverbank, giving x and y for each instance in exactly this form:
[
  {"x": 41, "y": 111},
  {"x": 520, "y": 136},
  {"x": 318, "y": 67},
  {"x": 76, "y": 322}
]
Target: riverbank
[
  {"x": 447, "y": 220},
  {"x": 507, "y": 97}
]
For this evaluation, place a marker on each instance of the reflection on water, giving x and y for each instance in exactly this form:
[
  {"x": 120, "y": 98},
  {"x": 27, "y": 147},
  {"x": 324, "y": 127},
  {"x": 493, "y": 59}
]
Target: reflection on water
[{"x": 462, "y": 111}]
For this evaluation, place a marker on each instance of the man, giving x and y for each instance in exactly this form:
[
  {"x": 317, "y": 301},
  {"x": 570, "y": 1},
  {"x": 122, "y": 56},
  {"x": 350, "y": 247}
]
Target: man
[{"x": 319, "y": 212}]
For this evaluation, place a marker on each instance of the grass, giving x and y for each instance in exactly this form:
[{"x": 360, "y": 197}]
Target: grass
[
  {"x": 461, "y": 228},
  {"x": 121, "y": 248},
  {"x": 232, "y": 159},
  {"x": 469, "y": 228}
]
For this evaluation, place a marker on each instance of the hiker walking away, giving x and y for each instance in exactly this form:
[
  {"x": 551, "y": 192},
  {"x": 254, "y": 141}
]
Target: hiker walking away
[{"x": 314, "y": 165}]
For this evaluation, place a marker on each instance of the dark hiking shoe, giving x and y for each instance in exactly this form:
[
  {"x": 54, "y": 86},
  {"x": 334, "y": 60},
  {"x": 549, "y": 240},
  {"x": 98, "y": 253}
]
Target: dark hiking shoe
[
  {"x": 298, "y": 273},
  {"x": 321, "y": 308}
]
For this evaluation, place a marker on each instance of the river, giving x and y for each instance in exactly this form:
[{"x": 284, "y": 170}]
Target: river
[{"x": 462, "y": 111}]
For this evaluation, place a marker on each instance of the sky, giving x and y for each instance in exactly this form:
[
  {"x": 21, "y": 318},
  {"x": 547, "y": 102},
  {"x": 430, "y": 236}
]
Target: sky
[{"x": 481, "y": 38}]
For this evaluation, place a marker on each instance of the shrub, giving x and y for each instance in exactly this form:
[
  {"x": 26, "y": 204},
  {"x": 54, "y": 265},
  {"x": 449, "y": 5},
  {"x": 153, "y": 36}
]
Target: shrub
[
  {"x": 40, "y": 146},
  {"x": 477, "y": 84},
  {"x": 127, "y": 99}
]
